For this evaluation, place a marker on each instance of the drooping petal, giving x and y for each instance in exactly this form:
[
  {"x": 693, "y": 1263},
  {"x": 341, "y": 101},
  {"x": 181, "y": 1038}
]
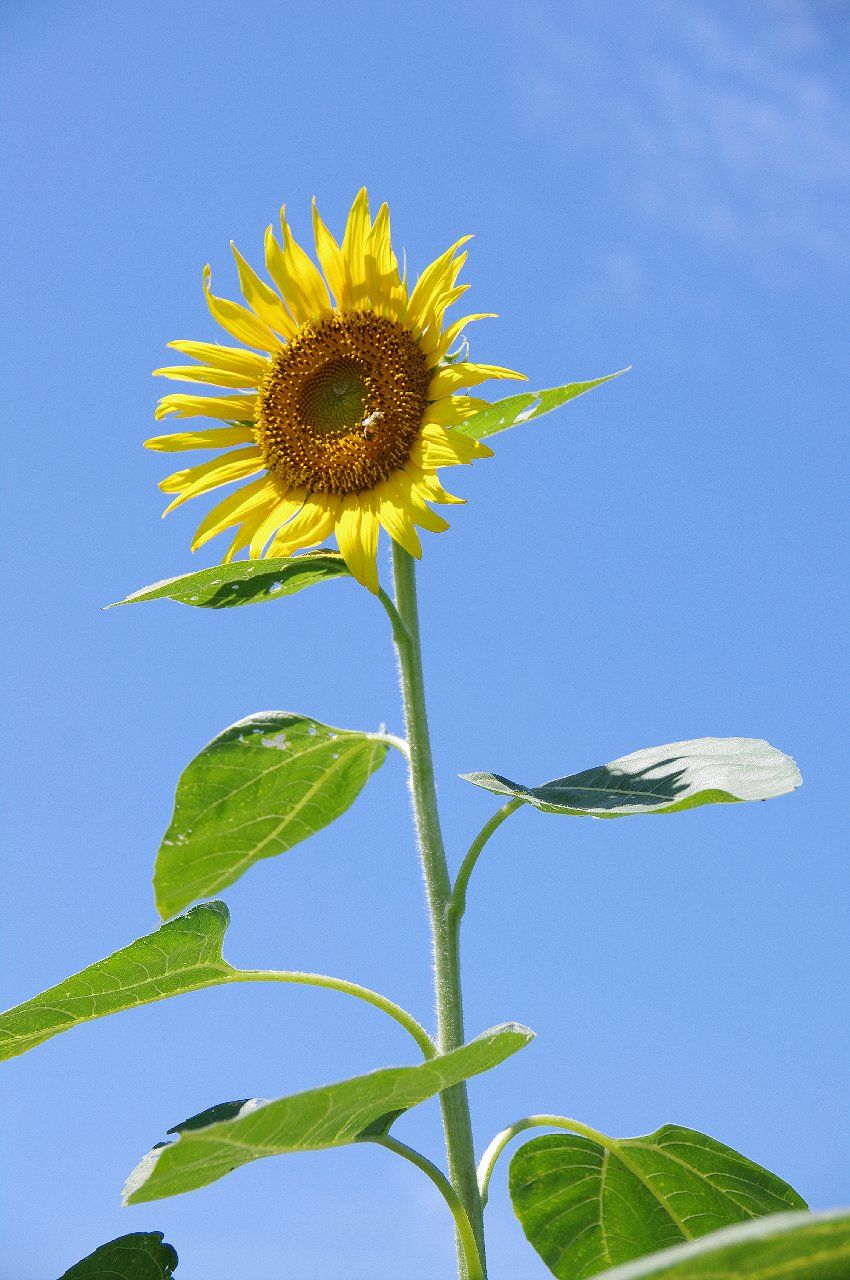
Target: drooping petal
[
  {"x": 236, "y": 465},
  {"x": 452, "y": 377},
  {"x": 408, "y": 494},
  {"x": 283, "y": 509},
  {"x": 267, "y": 304},
  {"x": 238, "y": 321},
  {"x": 234, "y": 359},
  {"x": 395, "y": 518},
  {"x": 232, "y": 510},
  {"x": 214, "y": 438},
  {"x": 357, "y": 535},
  {"x": 313, "y": 523},
  {"x": 429, "y": 486},
  {"x": 436, "y": 345},
  {"x": 442, "y": 447},
  {"x": 230, "y": 408},
  {"x": 244, "y": 533}
]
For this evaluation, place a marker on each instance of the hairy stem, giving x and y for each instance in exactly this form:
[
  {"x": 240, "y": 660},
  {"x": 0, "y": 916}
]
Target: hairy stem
[
  {"x": 463, "y": 1227},
  {"x": 454, "y": 1102}
]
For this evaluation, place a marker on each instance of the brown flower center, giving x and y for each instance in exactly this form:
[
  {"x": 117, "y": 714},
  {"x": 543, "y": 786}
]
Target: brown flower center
[{"x": 341, "y": 404}]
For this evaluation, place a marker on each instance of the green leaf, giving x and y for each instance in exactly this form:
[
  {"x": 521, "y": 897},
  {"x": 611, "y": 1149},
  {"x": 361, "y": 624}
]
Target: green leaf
[
  {"x": 585, "y": 1206},
  {"x": 680, "y": 775},
  {"x": 140, "y": 1256},
  {"x": 184, "y": 955},
  {"x": 514, "y": 410},
  {"x": 790, "y": 1246},
  {"x": 256, "y": 790},
  {"x": 336, "y": 1115},
  {"x": 244, "y": 582}
]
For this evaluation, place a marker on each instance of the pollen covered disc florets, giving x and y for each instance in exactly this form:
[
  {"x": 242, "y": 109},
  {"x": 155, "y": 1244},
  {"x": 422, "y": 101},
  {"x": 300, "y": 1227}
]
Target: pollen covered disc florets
[{"x": 342, "y": 404}]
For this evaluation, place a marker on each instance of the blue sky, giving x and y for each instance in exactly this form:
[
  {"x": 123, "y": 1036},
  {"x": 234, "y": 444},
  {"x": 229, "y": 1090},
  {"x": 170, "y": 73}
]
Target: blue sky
[{"x": 658, "y": 184}]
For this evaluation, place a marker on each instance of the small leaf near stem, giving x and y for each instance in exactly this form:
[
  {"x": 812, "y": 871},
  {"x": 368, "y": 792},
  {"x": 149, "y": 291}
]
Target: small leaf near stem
[{"x": 463, "y": 1226}]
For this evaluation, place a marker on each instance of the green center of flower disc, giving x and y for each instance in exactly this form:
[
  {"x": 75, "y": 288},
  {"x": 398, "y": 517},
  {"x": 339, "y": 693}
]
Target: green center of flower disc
[{"x": 334, "y": 397}]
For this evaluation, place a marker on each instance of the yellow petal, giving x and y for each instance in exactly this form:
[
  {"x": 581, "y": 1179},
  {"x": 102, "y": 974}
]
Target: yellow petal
[
  {"x": 353, "y": 249},
  {"x": 298, "y": 279},
  {"x": 430, "y": 487},
  {"x": 383, "y": 282},
  {"x": 436, "y": 344},
  {"x": 452, "y": 409},
  {"x": 214, "y": 438},
  {"x": 244, "y": 534},
  {"x": 408, "y": 494},
  {"x": 442, "y": 447},
  {"x": 313, "y": 523},
  {"x": 235, "y": 359},
  {"x": 230, "y": 408},
  {"x": 232, "y": 510},
  {"x": 261, "y": 299},
  {"x": 236, "y": 465},
  {"x": 284, "y": 509},
  {"x": 395, "y": 518},
  {"x": 451, "y": 377},
  {"x": 357, "y": 535},
  {"x": 441, "y": 273},
  {"x": 238, "y": 321},
  {"x": 202, "y": 373},
  {"x": 330, "y": 257}
]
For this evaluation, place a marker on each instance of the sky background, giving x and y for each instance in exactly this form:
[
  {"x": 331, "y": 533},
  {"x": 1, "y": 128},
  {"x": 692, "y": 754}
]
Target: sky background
[{"x": 659, "y": 184}]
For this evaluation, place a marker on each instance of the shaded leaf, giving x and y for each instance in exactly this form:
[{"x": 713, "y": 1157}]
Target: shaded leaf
[
  {"x": 790, "y": 1246},
  {"x": 244, "y": 581},
  {"x": 336, "y": 1115},
  {"x": 140, "y": 1256},
  {"x": 680, "y": 775},
  {"x": 184, "y": 955},
  {"x": 585, "y": 1206},
  {"x": 515, "y": 410},
  {"x": 257, "y": 789}
]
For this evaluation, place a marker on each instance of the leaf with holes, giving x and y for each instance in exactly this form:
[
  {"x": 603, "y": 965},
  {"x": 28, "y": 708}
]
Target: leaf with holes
[
  {"x": 585, "y": 1206},
  {"x": 244, "y": 582},
  {"x": 357, "y": 1110},
  {"x": 789, "y": 1246},
  {"x": 141, "y": 1256},
  {"x": 680, "y": 775},
  {"x": 515, "y": 410},
  {"x": 257, "y": 789}
]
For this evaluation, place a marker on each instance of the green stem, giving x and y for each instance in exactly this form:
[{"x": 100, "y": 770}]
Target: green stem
[
  {"x": 501, "y": 1140},
  {"x": 297, "y": 978},
  {"x": 454, "y": 1102},
  {"x": 457, "y": 906},
  {"x": 465, "y": 1234}
]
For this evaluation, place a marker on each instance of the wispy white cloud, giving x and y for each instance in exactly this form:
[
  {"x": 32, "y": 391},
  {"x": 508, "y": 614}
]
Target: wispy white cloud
[{"x": 727, "y": 125}]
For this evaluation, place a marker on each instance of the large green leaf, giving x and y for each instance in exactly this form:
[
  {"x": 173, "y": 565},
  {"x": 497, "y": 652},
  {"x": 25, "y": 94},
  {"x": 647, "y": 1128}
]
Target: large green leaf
[
  {"x": 514, "y": 410},
  {"x": 790, "y": 1246},
  {"x": 184, "y": 955},
  {"x": 333, "y": 1116},
  {"x": 585, "y": 1206},
  {"x": 680, "y": 775},
  {"x": 244, "y": 581},
  {"x": 140, "y": 1256},
  {"x": 257, "y": 789}
]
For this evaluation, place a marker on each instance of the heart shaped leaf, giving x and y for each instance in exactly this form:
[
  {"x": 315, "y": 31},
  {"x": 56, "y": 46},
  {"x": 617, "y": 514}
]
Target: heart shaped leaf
[
  {"x": 789, "y": 1246},
  {"x": 586, "y": 1205},
  {"x": 140, "y": 1256},
  {"x": 514, "y": 410},
  {"x": 244, "y": 582},
  {"x": 256, "y": 790},
  {"x": 680, "y": 775},
  {"x": 336, "y": 1115}
]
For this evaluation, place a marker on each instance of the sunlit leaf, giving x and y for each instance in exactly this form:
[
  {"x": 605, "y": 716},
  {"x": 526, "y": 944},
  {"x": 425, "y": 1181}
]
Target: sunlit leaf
[
  {"x": 789, "y": 1246},
  {"x": 140, "y": 1256},
  {"x": 257, "y": 789},
  {"x": 244, "y": 581},
  {"x": 680, "y": 775},
  {"x": 336, "y": 1115},
  {"x": 182, "y": 956},
  {"x": 586, "y": 1207},
  {"x": 513, "y": 411}
]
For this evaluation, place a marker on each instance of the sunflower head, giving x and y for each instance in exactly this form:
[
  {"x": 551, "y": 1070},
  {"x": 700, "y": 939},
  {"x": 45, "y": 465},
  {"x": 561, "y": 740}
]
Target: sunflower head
[{"x": 341, "y": 403}]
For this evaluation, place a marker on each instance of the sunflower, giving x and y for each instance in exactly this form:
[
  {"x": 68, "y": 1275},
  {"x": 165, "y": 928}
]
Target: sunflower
[{"x": 341, "y": 405}]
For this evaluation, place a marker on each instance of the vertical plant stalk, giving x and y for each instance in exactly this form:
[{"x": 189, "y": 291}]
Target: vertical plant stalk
[{"x": 454, "y": 1102}]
